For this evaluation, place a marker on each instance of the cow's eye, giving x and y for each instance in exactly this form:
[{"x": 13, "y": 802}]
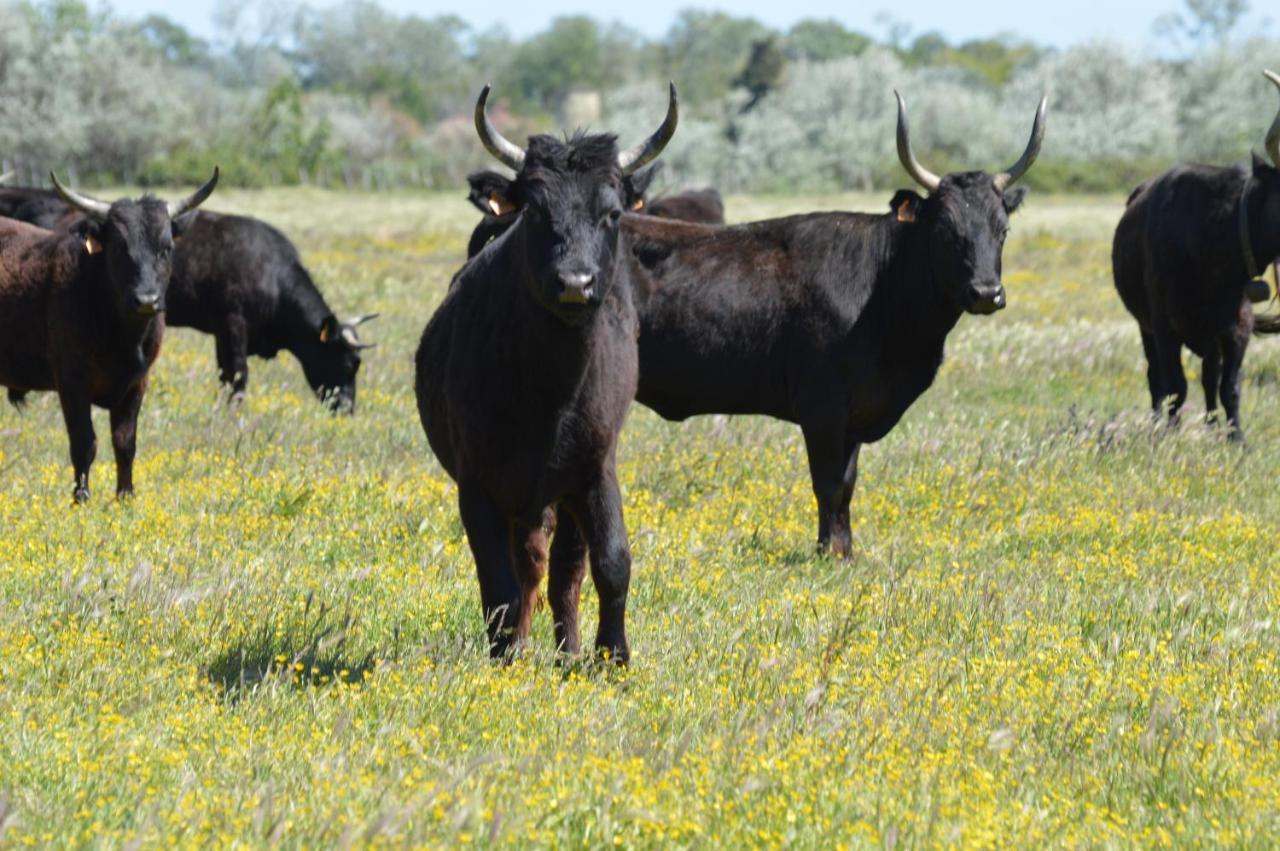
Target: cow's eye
[{"x": 614, "y": 215}]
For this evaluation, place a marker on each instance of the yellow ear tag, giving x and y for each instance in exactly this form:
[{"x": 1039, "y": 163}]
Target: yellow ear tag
[
  {"x": 499, "y": 205},
  {"x": 92, "y": 246},
  {"x": 638, "y": 205},
  {"x": 905, "y": 213},
  {"x": 324, "y": 333}
]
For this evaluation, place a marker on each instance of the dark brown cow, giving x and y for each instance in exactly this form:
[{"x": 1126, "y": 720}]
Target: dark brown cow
[{"x": 82, "y": 313}]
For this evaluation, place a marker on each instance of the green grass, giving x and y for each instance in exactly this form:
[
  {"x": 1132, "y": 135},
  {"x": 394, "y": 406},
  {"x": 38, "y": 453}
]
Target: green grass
[{"x": 1059, "y": 629}]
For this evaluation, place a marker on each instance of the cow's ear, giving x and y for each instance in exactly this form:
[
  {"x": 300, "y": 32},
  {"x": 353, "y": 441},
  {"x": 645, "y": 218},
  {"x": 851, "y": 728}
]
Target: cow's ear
[
  {"x": 636, "y": 186},
  {"x": 89, "y": 233},
  {"x": 491, "y": 193},
  {"x": 183, "y": 223},
  {"x": 906, "y": 205},
  {"x": 330, "y": 329},
  {"x": 1013, "y": 198}
]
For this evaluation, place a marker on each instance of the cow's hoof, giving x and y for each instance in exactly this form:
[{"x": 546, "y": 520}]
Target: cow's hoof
[{"x": 80, "y": 495}]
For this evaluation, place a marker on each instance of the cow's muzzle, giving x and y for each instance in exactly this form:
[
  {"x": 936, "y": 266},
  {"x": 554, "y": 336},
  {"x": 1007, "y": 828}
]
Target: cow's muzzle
[
  {"x": 984, "y": 299},
  {"x": 576, "y": 288},
  {"x": 148, "y": 304}
]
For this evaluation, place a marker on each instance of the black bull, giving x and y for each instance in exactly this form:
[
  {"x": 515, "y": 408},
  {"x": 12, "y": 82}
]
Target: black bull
[{"x": 833, "y": 321}]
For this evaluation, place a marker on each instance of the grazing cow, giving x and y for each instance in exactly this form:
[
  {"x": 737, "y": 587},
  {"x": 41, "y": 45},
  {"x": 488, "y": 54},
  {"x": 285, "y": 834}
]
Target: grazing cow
[
  {"x": 833, "y": 321},
  {"x": 242, "y": 281},
  {"x": 489, "y": 192},
  {"x": 524, "y": 376},
  {"x": 82, "y": 313},
  {"x": 1185, "y": 254}
]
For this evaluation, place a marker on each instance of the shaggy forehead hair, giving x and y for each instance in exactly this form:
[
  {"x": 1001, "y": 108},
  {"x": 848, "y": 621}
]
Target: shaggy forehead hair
[
  {"x": 147, "y": 209},
  {"x": 594, "y": 156}
]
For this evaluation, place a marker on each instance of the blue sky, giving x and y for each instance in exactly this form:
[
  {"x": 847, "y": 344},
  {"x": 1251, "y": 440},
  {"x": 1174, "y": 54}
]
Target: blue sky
[{"x": 1059, "y": 24}]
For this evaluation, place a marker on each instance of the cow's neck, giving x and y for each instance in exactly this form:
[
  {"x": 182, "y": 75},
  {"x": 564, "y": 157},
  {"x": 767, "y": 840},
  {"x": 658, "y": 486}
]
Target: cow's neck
[
  {"x": 302, "y": 312},
  {"x": 916, "y": 306},
  {"x": 1264, "y": 235}
]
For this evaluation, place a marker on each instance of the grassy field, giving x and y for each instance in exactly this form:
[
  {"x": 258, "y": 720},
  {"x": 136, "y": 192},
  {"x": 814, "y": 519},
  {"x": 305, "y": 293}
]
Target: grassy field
[{"x": 1060, "y": 627}]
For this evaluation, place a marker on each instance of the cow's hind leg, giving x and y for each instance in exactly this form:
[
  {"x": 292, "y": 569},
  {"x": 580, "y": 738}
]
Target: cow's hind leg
[
  {"x": 1175, "y": 380},
  {"x": 564, "y": 586},
  {"x": 833, "y": 470},
  {"x": 489, "y": 534},
  {"x": 1155, "y": 373},
  {"x": 600, "y": 512},
  {"x": 529, "y": 558},
  {"x": 1233, "y": 349},
  {"x": 1210, "y": 376}
]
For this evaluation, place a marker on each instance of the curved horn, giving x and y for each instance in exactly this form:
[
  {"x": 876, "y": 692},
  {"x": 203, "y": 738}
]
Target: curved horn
[
  {"x": 918, "y": 173},
  {"x": 634, "y": 159},
  {"x": 89, "y": 206},
  {"x": 1273, "y": 135},
  {"x": 1005, "y": 179},
  {"x": 350, "y": 337},
  {"x": 357, "y": 321},
  {"x": 507, "y": 153},
  {"x": 195, "y": 199}
]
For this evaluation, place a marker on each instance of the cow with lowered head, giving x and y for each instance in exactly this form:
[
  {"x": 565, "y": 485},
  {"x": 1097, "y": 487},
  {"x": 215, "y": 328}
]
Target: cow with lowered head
[
  {"x": 833, "y": 321},
  {"x": 490, "y": 191},
  {"x": 1185, "y": 257},
  {"x": 242, "y": 281},
  {"x": 524, "y": 377},
  {"x": 82, "y": 313}
]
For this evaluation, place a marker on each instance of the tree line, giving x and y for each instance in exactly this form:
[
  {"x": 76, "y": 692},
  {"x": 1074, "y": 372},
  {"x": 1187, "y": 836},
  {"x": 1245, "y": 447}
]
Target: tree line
[{"x": 354, "y": 95}]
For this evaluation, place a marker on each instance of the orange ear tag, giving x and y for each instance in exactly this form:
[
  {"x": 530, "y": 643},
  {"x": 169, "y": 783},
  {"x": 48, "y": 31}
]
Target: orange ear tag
[
  {"x": 905, "y": 213},
  {"x": 638, "y": 205},
  {"x": 92, "y": 246},
  {"x": 499, "y": 205}
]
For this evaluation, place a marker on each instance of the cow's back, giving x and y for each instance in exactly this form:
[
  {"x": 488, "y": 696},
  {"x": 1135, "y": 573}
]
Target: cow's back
[
  {"x": 227, "y": 264},
  {"x": 28, "y": 271}
]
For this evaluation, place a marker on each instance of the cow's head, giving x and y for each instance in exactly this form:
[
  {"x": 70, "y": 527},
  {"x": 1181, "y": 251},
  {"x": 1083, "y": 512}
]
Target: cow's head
[
  {"x": 491, "y": 192},
  {"x": 331, "y": 360},
  {"x": 966, "y": 219},
  {"x": 133, "y": 242},
  {"x": 570, "y": 196},
  {"x": 1267, "y": 175}
]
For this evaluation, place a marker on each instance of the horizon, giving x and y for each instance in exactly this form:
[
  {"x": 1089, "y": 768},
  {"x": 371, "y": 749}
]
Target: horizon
[{"x": 1131, "y": 24}]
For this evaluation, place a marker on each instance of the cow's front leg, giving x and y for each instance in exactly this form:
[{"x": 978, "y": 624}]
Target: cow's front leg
[
  {"x": 77, "y": 412},
  {"x": 233, "y": 355},
  {"x": 600, "y": 510},
  {"x": 833, "y": 470},
  {"x": 489, "y": 534},
  {"x": 124, "y": 437},
  {"x": 1233, "y": 348}
]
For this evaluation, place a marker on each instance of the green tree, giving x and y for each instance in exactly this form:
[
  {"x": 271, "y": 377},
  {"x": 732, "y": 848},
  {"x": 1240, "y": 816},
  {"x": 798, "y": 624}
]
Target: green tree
[
  {"x": 823, "y": 41},
  {"x": 705, "y": 51}
]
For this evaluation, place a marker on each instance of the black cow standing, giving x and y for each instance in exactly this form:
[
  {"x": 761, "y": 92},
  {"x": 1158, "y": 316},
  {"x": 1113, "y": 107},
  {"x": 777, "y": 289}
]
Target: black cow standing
[
  {"x": 489, "y": 193},
  {"x": 524, "y": 377},
  {"x": 242, "y": 281},
  {"x": 834, "y": 321},
  {"x": 1185, "y": 252},
  {"x": 82, "y": 313}
]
